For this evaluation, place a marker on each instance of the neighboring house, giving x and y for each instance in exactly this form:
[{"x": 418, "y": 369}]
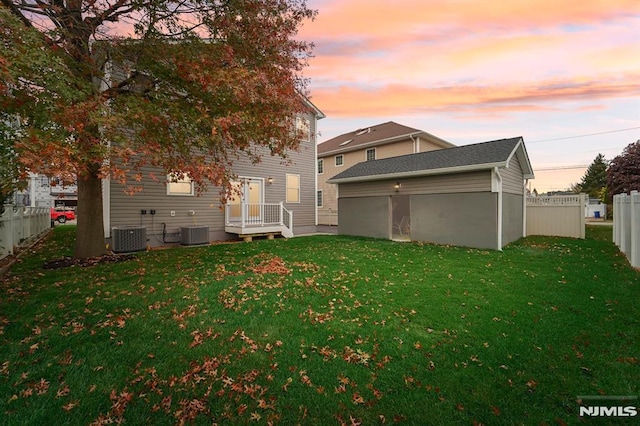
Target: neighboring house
[
  {"x": 276, "y": 199},
  {"x": 596, "y": 209},
  {"x": 371, "y": 143},
  {"x": 42, "y": 191},
  {"x": 472, "y": 195}
]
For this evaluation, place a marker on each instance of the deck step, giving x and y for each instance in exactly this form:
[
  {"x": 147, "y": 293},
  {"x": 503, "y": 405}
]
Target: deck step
[{"x": 249, "y": 237}]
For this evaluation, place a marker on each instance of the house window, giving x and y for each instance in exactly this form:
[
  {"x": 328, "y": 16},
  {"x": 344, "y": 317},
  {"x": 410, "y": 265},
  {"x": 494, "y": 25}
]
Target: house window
[
  {"x": 179, "y": 184},
  {"x": 371, "y": 154},
  {"x": 303, "y": 128},
  {"x": 319, "y": 198},
  {"x": 320, "y": 167},
  {"x": 293, "y": 188},
  {"x": 339, "y": 160}
]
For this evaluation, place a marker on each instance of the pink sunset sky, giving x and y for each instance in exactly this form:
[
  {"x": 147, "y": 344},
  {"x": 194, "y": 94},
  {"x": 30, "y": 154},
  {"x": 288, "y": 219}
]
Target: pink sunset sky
[{"x": 471, "y": 71}]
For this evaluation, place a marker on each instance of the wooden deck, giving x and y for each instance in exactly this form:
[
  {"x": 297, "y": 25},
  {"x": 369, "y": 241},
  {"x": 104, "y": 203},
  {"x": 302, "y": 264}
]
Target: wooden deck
[{"x": 249, "y": 220}]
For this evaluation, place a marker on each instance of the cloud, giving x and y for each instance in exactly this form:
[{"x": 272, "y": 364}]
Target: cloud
[
  {"x": 407, "y": 16},
  {"x": 473, "y": 58},
  {"x": 400, "y": 99},
  {"x": 513, "y": 56}
]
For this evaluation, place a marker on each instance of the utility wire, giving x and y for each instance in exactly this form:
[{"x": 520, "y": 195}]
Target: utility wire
[
  {"x": 582, "y": 136},
  {"x": 546, "y": 169}
]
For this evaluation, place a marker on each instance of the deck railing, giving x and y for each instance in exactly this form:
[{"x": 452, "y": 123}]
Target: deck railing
[{"x": 258, "y": 215}]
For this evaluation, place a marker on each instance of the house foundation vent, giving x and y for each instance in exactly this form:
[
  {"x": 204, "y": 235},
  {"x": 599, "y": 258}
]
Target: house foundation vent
[
  {"x": 128, "y": 238},
  {"x": 194, "y": 235}
]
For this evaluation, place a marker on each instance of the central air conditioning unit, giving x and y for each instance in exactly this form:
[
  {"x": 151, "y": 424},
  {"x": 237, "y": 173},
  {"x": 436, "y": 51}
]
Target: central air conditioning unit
[
  {"x": 126, "y": 239},
  {"x": 194, "y": 235}
]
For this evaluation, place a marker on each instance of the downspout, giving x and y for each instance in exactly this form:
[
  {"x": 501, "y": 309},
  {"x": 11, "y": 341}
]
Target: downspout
[
  {"x": 499, "y": 188},
  {"x": 524, "y": 208},
  {"x": 315, "y": 146}
]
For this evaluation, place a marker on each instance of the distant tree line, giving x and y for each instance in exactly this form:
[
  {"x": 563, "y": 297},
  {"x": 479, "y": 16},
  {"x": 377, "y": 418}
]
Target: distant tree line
[{"x": 604, "y": 179}]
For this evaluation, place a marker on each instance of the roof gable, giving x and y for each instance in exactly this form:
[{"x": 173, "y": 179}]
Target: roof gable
[
  {"x": 312, "y": 108},
  {"x": 374, "y": 135},
  {"x": 478, "y": 156}
]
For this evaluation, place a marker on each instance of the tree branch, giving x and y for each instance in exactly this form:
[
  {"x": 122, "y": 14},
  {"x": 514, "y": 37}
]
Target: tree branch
[
  {"x": 14, "y": 9},
  {"x": 111, "y": 14}
]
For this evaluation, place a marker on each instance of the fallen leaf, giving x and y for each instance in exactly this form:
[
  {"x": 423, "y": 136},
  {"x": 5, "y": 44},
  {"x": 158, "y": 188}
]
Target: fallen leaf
[
  {"x": 286, "y": 385},
  {"x": 63, "y": 391},
  {"x": 357, "y": 399},
  {"x": 70, "y": 406}
]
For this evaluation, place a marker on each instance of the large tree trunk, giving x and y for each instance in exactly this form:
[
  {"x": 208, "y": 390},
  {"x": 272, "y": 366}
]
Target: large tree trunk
[{"x": 90, "y": 232}]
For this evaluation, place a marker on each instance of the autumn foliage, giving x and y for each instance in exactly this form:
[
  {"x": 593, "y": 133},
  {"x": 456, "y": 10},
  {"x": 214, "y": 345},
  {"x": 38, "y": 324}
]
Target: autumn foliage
[
  {"x": 119, "y": 87},
  {"x": 623, "y": 174}
]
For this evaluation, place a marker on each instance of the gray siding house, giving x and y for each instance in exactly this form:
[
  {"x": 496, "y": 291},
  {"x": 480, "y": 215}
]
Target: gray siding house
[
  {"x": 472, "y": 195},
  {"x": 276, "y": 199}
]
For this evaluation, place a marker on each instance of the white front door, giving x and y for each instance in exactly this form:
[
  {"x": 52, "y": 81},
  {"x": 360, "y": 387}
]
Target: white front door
[{"x": 251, "y": 196}]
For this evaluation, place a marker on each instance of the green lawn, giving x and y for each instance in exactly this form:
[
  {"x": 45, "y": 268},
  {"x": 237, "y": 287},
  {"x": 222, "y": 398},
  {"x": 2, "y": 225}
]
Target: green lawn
[{"x": 320, "y": 330}]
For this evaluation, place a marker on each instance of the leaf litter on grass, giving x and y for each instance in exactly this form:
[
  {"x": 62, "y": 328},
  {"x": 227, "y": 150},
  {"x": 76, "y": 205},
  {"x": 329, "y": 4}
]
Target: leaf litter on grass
[{"x": 358, "y": 331}]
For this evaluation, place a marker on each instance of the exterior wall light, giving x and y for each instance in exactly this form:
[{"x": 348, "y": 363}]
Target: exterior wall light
[
  {"x": 269, "y": 180},
  {"x": 397, "y": 186}
]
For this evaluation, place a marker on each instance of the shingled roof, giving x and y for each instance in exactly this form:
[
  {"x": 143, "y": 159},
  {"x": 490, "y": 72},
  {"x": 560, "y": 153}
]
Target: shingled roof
[
  {"x": 479, "y": 156},
  {"x": 375, "y": 135}
]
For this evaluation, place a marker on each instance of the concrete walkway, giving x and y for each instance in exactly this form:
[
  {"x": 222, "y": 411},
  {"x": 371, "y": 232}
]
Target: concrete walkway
[{"x": 600, "y": 223}]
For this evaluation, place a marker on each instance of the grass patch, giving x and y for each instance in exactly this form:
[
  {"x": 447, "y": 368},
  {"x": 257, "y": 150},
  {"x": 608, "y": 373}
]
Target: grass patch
[{"x": 320, "y": 330}]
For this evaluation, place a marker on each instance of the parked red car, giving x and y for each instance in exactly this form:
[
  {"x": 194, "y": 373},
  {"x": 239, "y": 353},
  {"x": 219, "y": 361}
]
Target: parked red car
[{"x": 62, "y": 215}]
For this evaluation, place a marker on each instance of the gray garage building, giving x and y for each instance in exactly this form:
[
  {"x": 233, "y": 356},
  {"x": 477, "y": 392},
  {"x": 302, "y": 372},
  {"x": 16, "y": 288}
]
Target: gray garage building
[{"x": 472, "y": 195}]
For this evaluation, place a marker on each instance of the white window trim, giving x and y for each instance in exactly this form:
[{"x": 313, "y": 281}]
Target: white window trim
[
  {"x": 170, "y": 180},
  {"x": 286, "y": 188},
  {"x": 375, "y": 154},
  {"x": 321, "y": 160},
  {"x": 336, "y": 160},
  {"x": 320, "y": 196}
]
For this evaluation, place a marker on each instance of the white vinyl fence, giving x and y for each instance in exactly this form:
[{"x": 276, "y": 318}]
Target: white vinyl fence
[
  {"x": 20, "y": 224},
  {"x": 558, "y": 215},
  {"x": 626, "y": 225}
]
